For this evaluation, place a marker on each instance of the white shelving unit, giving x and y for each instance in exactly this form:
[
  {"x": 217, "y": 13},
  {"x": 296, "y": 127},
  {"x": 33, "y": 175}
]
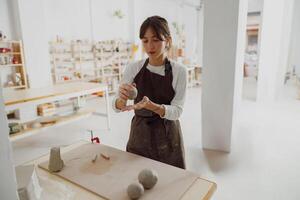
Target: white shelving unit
[
  {"x": 111, "y": 58},
  {"x": 12, "y": 65},
  {"x": 101, "y": 61}
]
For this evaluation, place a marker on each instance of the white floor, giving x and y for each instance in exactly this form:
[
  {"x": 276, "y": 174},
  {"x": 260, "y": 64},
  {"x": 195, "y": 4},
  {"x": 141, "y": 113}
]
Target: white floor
[{"x": 264, "y": 162}]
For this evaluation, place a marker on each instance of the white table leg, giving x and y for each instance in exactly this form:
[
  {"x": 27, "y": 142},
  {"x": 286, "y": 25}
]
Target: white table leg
[{"x": 107, "y": 108}]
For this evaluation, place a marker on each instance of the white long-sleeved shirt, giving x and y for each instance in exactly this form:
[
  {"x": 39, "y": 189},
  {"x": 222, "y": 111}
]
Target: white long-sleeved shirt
[{"x": 173, "y": 111}]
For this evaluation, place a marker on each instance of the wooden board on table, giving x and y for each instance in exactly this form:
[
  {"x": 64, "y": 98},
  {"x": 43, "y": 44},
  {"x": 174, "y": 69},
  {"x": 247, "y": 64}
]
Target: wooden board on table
[{"x": 110, "y": 178}]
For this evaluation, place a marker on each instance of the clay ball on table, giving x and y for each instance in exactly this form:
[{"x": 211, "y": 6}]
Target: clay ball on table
[
  {"x": 148, "y": 178},
  {"x": 135, "y": 190},
  {"x": 133, "y": 94}
]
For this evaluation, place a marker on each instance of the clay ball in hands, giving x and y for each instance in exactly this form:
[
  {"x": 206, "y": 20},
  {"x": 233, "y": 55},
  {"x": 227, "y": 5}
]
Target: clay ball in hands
[
  {"x": 135, "y": 190},
  {"x": 148, "y": 178},
  {"x": 132, "y": 94},
  {"x": 128, "y": 91}
]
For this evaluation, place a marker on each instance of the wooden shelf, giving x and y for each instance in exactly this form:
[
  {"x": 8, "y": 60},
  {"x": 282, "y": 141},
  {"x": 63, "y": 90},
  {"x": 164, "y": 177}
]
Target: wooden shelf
[
  {"x": 59, "y": 43},
  {"x": 11, "y": 65},
  {"x": 9, "y": 41},
  {"x": 110, "y": 75},
  {"x": 83, "y": 52},
  {"x": 67, "y": 81},
  {"x": 59, "y": 53},
  {"x": 59, "y": 120},
  {"x": 108, "y": 67},
  {"x": 67, "y": 72},
  {"x": 87, "y": 60},
  {"x": 18, "y": 73},
  {"x": 82, "y": 44},
  {"x": 112, "y": 91},
  {"x": 16, "y": 87},
  {"x": 10, "y": 53},
  {"x": 63, "y": 61}
]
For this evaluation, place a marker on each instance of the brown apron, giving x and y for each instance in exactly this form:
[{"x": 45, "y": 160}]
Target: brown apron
[{"x": 150, "y": 135}]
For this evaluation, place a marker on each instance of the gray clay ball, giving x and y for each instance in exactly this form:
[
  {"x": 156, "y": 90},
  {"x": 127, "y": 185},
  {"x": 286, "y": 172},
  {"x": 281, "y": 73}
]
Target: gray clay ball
[
  {"x": 135, "y": 190},
  {"x": 148, "y": 178},
  {"x": 133, "y": 94}
]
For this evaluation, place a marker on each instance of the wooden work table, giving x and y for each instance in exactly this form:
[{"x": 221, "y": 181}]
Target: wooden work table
[
  {"x": 12, "y": 97},
  {"x": 200, "y": 190}
]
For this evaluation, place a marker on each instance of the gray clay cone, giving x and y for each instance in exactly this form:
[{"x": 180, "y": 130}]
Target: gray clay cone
[{"x": 55, "y": 162}]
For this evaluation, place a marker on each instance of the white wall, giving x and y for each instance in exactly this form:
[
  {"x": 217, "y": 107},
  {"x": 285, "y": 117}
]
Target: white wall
[
  {"x": 68, "y": 18},
  {"x": 5, "y": 19},
  {"x": 255, "y": 5},
  {"x": 200, "y": 36},
  {"x": 9, "y": 23},
  {"x": 190, "y": 22},
  {"x": 105, "y": 25},
  {"x": 167, "y": 9},
  {"x": 285, "y": 44},
  {"x": 131, "y": 21},
  {"x": 8, "y": 186},
  {"x": 173, "y": 11},
  {"x": 86, "y": 19},
  {"x": 273, "y": 48},
  {"x": 96, "y": 20},
  {"x": 33, "y": 34},
  {"x": 294, "y": 59},
  {"x": 41, "y": 21}
]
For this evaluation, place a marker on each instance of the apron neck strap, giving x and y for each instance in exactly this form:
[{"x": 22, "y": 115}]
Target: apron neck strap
[{"x": 168, "y": 66}]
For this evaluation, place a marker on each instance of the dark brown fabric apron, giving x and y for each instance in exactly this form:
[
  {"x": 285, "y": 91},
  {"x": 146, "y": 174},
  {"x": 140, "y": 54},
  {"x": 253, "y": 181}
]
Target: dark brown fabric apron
[{"x": 150, "y": 135}]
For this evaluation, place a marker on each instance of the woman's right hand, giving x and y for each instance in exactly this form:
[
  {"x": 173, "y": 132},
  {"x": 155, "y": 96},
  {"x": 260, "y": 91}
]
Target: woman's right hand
[{"x": 125, "y": 90}]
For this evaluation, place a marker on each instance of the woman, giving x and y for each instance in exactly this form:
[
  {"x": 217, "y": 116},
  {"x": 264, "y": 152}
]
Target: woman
[{"x": 161, "y": 84}]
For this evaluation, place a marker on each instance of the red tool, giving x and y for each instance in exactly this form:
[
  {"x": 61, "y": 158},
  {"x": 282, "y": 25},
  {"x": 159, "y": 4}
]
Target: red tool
[{"x": 94, "y": 139}]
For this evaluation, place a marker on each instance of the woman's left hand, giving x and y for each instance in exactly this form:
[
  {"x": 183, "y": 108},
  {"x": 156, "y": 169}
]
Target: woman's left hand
[{"x": 144, "y": 103}]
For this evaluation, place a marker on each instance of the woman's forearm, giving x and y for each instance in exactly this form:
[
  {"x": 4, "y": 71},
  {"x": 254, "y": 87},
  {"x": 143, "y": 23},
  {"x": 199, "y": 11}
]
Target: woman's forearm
[{"x": 157, "y": 108}]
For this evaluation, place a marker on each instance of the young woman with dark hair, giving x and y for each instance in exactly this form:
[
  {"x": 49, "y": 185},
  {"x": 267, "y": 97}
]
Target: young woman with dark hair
[{"x": 161, "y": 84}]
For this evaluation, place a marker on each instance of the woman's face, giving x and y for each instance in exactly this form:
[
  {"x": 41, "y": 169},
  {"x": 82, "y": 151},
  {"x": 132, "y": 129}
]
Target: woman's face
[{"x": 152, "y": 45}]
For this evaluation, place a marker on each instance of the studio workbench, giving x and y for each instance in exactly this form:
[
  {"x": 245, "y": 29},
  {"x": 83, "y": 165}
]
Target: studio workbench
[{"x": 108, "y": 179}]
